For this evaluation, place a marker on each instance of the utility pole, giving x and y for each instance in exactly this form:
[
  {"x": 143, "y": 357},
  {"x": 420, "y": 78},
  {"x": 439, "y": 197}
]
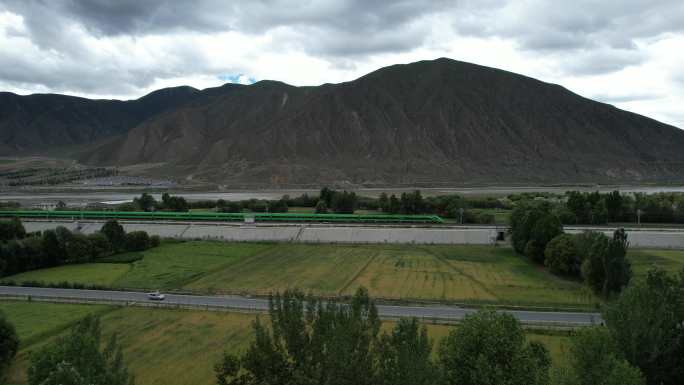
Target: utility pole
[
  {"x": 639, "y": 217},
  {"x": 460, "y": 211}
]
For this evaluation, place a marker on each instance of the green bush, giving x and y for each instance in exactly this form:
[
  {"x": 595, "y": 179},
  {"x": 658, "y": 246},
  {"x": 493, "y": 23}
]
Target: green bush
[
  {"x": 137, "y": 241},
  {"x": 560, "y": 255}
]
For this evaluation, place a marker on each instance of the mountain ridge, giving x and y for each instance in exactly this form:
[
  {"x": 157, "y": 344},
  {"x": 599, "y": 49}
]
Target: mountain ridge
[{"x": 441, "y": 121}]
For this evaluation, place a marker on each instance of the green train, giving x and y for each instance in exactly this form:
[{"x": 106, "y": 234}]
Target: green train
[{"x": 227, "y": 217}]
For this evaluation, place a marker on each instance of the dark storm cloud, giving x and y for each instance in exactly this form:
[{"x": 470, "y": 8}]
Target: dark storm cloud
[{"x": 326, "y": 27}]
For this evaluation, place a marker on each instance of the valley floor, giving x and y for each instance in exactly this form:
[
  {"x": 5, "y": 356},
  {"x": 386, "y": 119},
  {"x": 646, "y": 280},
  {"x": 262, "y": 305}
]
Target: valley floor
[{"x": 476, "y": 275}]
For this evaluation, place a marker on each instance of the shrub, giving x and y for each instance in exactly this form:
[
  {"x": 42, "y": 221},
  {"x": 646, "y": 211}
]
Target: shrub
[
  {"x": 137, "y": 241},
  {"x": 155, "y": 241},
  {"x": 561, "y": 255}
]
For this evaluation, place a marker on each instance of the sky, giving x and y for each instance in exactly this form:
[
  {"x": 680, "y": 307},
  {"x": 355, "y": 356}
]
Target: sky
[{"x": 629, "y": 53}]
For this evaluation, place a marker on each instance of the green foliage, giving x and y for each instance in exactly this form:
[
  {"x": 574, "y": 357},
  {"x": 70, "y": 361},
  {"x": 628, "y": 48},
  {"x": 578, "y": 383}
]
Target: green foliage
[
  {"x": 115, "y": 233},
  {"x": 490, "y": 348},
  {"x": 78, "y": 248},
  {"x": 11, "y": 229},
  {"x": 309, "y": 342},
  {"x": 55, "y": 254},
  {"x": 404, "y": 356},
  {"x": 321, "y": 207},
  {"x": 173, "y": 203},
  {"x": 412, "y": 203},
  {"x": 279, "y": 206},
  {"x": 647, "y": 324},
  {"x": 77, "y": 358},
  {"x": 99, "y": 245},
  {"x": 344, "y": 202},
  {"x": 596, "y": 360},
  {"x": 155, "y": 241},
  {"x": 561, "y": 255},
  {"x": 146, "y": 202},
  {"x": 533, "y": 222},
  {"x": 606, "y": 269},
  {"x": 9, "y": 345},
  {"x": 137, "y": 241},
  {"x": 394, "y": 205}
]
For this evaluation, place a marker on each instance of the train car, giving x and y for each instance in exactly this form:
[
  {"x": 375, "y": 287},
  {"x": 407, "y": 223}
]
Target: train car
[{"x": 226, "y": 217}]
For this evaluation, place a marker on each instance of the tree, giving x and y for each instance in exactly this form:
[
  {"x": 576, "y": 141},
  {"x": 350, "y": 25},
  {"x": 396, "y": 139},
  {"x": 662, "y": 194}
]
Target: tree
[
  {"x": 99, "y": 244},
  {"x": 308, "y": 342},
  {"x": 547, "y": 227},
  {"x": 173, "y": 203},
  {"x": 561, "y": 256},
  {"x": 9, "y": 345},
  {"x": 279, "y": 206},
  {"x": 77, "y": 359},
  {"x": 613, "y": 203},
  {"x": 55, "y": 254},
  {"x": 321, "y": 207},
  {"x": 137, "y": 241},
  {"x": 523, "y": 219},
  {"x": 146, "y": 202},
  {"x": 616, "y": 265},
  {"x": 12, "y": 229},
  {"x": 383, "y": 202},
  {"x": 647, "y": 325},
  {"x": 596, "y": 360},
  {"x": 344, "y": 202},
  {"x": 490, "y": 348},
  {"x": 327, "y": 196},
  {"x": 404, "y": 356},
  {"x": 115, "y": 233},
  {"x": 394, "y": 205},
  {"x": 607, "y": 269},
  {"x": 79, "y": 249}
]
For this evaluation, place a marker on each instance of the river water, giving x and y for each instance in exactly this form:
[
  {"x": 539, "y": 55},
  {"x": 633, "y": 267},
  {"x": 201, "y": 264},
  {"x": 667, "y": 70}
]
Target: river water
[{"x": 120, "y": 197}]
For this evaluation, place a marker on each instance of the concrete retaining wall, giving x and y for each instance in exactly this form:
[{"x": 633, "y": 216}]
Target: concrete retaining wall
[{"x": 669, "y": 238}]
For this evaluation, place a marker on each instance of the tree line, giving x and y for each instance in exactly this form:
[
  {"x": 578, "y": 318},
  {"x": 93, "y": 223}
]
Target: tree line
[
  {"x": 307, "y": 341},
  {"x": 601, "y": 261},
  {"x": 21, "y": 252}
]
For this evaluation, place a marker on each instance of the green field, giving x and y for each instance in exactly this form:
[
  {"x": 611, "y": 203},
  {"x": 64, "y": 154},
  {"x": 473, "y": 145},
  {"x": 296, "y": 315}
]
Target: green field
[
  {"x": 469, "y": 274},
  {"x": 168, "y": 347},
  {"x": 642, "y": 260},
  {"x": 91, "y": 274}
]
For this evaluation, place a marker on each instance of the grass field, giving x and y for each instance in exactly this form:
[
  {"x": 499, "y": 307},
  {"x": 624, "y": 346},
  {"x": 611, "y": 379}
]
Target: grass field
[
  {"x": 170, "y": 347},
  {"x": 92, "y": 273},
  {"x": 469, "y": 274},
  {"x": 171, "y": 265},
  {"x": 671, "y": 261}
]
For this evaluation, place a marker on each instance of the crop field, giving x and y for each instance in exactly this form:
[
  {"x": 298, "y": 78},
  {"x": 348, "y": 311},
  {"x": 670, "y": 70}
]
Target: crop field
[
  {"x": 158, "y": 343},
  {"x": 470, "y": 274}
]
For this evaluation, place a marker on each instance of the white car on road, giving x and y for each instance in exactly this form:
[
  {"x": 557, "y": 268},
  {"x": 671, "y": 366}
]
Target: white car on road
[{"x": 155, "y": 296}]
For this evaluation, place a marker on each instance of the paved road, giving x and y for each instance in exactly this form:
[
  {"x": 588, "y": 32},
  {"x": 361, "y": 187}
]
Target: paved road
[{"x": 451, "y": 313}]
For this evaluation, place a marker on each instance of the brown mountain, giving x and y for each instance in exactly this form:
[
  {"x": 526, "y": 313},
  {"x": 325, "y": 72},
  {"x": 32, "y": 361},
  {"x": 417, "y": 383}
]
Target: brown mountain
[
  {"x": 430, "y": 122},
  {"x": 38, "y": 122}
]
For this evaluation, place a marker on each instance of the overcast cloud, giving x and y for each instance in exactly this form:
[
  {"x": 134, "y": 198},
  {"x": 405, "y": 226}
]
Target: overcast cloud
[{"x": 626, "y": 52}]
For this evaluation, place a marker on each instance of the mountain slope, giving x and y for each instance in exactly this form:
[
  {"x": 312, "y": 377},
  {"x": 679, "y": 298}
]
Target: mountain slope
[
  {"x": 439, "y": 121},
  {"x": 428, "y": 123},
  {"x": 36, "y": 122}
]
